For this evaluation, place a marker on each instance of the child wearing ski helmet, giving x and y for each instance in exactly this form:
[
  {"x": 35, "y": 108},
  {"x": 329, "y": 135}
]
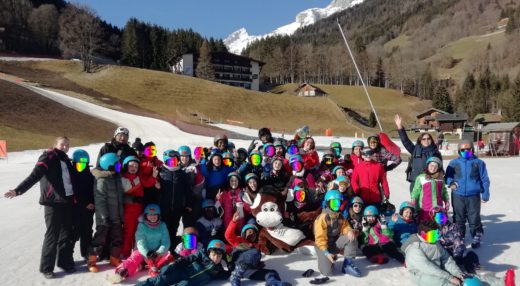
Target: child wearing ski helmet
[
  {"x": 303, "y": 208},
  {"x": 190, "y": 243},
  {"x": 451, "y": 239},
  {"x": 403, "y": 224},
  {"x": 230, "y": 200},
  {"x": 108, "y": 198},
  {"x": 246, "y": 255},
  {"x": 215, "y": 173},
  {"x": 333, "y": 233},
  {"x": 354, "y": 214},
  {"x": 220, "y": 142},
  {"x": 84, "y": 184},
  {"x": 355, "y": 156},
  {"x": 152, "y": 241},
  {"x": 251, "y": 190},
  {"x": 138, "y": 147},
  {"x": 367, "y": 179},
  {"x": 176, "y": 199},
  {"x": 196, "y": 179},
  {"x": 429, "y": 190},
  {"x": 277, "y": 177},
  {"x": 381, "y": 154},
  {"x": 228, "y": 159},
  {"x": 300, "y": 174},
  {"x": 468, "y": 180},
  {"x": 132, "y": 202},
  {"x": 197, "y": 269},
  {"x": 241, "y": 157},
  {"x": 377, "y": 238},
  {"x": 253, "y": 165},
  {"x": 149, "y": 168},
  {"x": 209, "y": 225},
  {"x": 324, "y": 173},
  {"x": 309, "y": 154}
]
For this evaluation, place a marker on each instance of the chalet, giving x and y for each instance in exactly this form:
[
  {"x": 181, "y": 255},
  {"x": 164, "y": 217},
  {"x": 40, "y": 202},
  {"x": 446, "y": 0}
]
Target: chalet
[
  {"x": 426, "y": 118},
  {"x": 453, "y": 123},
  {"x": 306, "y": 89},
  {"x": 501, "y": 137},
  {"x": 229, "y": 68},
  {"x": 487, "y": 118}
]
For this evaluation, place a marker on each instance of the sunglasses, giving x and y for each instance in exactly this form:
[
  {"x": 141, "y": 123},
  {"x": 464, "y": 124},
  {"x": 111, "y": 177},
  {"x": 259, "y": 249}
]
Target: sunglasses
[
  {"x": 431, "y": 236},
  {"x": 357, "y": 206},
  {"x": 189, "y": 241},
  {"x": 328, "y": 160},
  {"x": 465, "y": 149}
]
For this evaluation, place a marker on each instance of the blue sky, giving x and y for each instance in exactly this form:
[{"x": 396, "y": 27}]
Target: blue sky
[{"x": 211, "y": 18}]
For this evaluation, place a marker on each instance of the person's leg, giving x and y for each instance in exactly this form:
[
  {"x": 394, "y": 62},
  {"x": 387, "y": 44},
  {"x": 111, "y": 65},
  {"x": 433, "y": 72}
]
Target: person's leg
[
  {"x": 87, "y": 221},
  {"x": 131, "y": 215},
  {"x": 475, "y": 224},
  {"x": 431, "y": 280},
  {"x": 324, "y": 264},
  {"x": 50, "y": 241},
  {"x": 350, "y": 249},
  {"x": 459, "y": 212},
  {"x": 170, "y": 275},
  {"x": 246, "y": 260},
  {"x": 131, "y": 264},
  {"x": 392, "y": 251},
  {"x": 116, "y": 241},
  {"x": 66, "y": 239},
  {"x": 471, "y": 262}
]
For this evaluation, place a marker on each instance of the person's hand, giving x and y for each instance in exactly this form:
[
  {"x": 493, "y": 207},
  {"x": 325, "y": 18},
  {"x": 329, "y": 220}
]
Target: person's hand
[
  {"x": 11, "y": 194},
  {"x": 455, "y": 281},
  {"x": 364, "y": 223},
  {"x": 158, "y": 185},
  {"x": 484, "y": 201},
  {"x": 351, "y": 236},
  {"x": 394, "y": 218},
  {"x": 91, "y": 207},
  {"x": 152, "y": 255},
  {"x": 398, "y": 121},
  {"x": 382, "y": 221},
  {"x": 331, "y": 258},
  {"x": 252, "y": 146},
  {"x": 236, "y": 216},
  {"x": 219, "y": 195},
  {"x": 155, "y": 172},
  {"x": 447, "y": 206}
]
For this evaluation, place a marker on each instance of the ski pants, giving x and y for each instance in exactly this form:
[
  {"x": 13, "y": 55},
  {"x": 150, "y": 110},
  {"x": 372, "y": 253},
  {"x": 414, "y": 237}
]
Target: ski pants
[
  {"x": 133, "y": 262},
  {"x": 349, "y": 250},
  {"x": 84, "y": 220},
  {"x": 467, "y": 208},
  {"x": 108, "y": 235},
  {"x": 431, "y": 280},
  {"x": 388, "y": 248},
  {"x": 132, "y": 211},
  {"x": 59, "y": 237},
  {"x": 151, "y": 195},
  {"x": 246, "y": 261}
]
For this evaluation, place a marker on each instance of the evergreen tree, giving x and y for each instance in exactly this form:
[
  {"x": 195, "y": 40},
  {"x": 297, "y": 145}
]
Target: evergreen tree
[
  {"x": 464, "y": 95},
  {"x": 372, "y": 122},
  {"x": 129, "y": 44},
  {"x": 442, "y": 100},
  {"x": 380, "y": 78},
  {"x": 512, "y": 112},
  {"x": 204, "y": 68}
]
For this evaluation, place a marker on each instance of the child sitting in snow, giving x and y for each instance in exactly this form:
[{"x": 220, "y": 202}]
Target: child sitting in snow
[
  {"x": 209, "y": 225},
  {"x": 190, "y": 243},
  {"x": 377, "y": 238},
  {"x": 402, "y": 223},
  {"x": 153, "y": 241},
  {"x": 429, "y": 190}
]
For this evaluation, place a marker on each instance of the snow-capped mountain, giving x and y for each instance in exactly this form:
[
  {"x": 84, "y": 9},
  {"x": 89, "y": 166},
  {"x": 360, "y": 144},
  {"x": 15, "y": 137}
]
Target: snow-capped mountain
[{"x": 238, "y": 40}]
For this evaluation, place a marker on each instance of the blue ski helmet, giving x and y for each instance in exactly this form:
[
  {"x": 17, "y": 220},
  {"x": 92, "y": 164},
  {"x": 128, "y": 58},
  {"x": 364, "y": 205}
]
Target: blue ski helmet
[
  {"x": 435, "y": 160},
  {"x": 472, "y": 281},
  {"x": 233, "y": 174},
  {"x": 358, "y": 143},
  {"x": 251, "y": 176},
  {"x": 333, "y": 194},
  {"x": 152, "y": 209},
  {"x": 108, "y": 160},
  {"x": 208, "y": 203},
  {"x": 218, "y": 245},
  {"x": 295, "y": 158},
  {"x": 370, "y": 211},
  {"x": 246, "y": 227},
  {"x": 129, "y": 159},
  {"x": 337, "y": 168},
  {"x": 406, "y": 204},
  {"x": 80, "y": 155},
  {"x": 357, "y": 200},
  {"x": 184, "y": 151}
]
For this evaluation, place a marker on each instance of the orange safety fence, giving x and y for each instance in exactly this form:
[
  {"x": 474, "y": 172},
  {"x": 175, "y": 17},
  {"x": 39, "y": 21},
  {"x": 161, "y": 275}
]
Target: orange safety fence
[{"x": 3, "y": 149}]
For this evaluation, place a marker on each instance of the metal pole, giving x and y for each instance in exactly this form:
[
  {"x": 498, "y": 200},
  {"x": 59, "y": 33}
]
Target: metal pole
[{"x": 359, "y": 74}]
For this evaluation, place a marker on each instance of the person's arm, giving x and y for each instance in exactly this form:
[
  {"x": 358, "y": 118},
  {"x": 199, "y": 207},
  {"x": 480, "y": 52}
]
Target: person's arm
[
  {"x": 417, "y": 260},
  {"x": 320, "y": 234},
  {"x": 384, "y": 181},
  {"x": 140, "y": 240},
  {"x": 165, "y": 240},
  {"x": 407, "y": 143},
  {"x": 355, "y": 180},
  {"x": 41, "y": 168},
  {"x": 450, "y": 174},
  {"x": 484, "y": 181},
  {"x": 230, "y": 235},
  {"x": 416, "y": 191}
]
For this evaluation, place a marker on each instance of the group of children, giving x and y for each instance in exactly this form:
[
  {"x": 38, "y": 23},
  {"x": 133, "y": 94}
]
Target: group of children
[{"x": 212, "y": 190}]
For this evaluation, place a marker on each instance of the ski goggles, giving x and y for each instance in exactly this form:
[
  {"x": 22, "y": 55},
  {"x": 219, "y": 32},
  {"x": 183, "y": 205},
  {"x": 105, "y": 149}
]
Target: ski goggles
[
  {"x": 189, "y": 241},
  {"x": 293, "y": 149},
  {"x": 227, "y": 162},
  {"x": 81, "y": 165},
  {"x": 335, "y": 204},
  {"x": 328, "y": 160},
  {"x": 172, "y": 162},
  {"x": 297, "y": 166},
  {"x": 150, "y": 151},
  {"x": 256, "y": 159},
  {"x": 344, "y": 184},
  {"x": 270, "y": 151},
  {"x": 198, "y": 153},
  {"x": 299, "y": 196},
  {"x": 431, "y": 236}
]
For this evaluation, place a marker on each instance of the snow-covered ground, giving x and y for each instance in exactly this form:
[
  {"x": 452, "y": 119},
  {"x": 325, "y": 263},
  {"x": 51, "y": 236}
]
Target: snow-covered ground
[{"x": 22, "y": 222}]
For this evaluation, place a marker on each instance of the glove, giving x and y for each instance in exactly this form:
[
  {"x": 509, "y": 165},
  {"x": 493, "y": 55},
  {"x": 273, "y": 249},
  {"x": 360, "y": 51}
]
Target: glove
[
  {"x": 364, "y": 223},
  {"x": 213, "y": 232},
  {"x": 152, "y": 255},
  {"x": 251, "y": 146}
]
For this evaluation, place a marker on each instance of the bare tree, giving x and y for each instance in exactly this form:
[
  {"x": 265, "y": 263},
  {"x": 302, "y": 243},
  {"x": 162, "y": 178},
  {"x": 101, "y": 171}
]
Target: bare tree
[
  {"x": 80, "y": 33},
  {"x": 43, "y": 22}
]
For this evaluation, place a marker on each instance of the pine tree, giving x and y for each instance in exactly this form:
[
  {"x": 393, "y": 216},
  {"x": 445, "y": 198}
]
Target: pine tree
[
  {"x": 380, "y": 78},
  {"x": 129, "y": 45},
  {"x": 512, "y": 112},
  {"x": 372, "y": 122},
  {"x": 442, "y": 100},
  {"x": 204, "y": 68}
]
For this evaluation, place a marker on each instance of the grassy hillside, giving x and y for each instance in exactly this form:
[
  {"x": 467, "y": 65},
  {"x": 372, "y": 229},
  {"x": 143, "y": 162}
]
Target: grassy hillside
[
  {"x": 387, "y": 102},
  {"x": 30, "y": 121},
  {"x": 180, "y": 97}
]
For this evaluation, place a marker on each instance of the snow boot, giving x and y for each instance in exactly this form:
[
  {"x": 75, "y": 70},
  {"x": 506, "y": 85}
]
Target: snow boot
[
  {"x": 510, "y": 277},
  {"x": 476, "y": 240},
  {"x": 273, "y": 279},
  {"x": 237, "y": 275},
  {"x": 120, "y": 275},
  {"x": 91, "y": 263},
  {"x": 153, "y": 270},
  {"x": 379, "y": 259},
  {"x": 350, "y": 268},
  {"x": 49, "y": 275},
  {"x": 114, "y": 261},
  {"x": 320, "y": 280}
]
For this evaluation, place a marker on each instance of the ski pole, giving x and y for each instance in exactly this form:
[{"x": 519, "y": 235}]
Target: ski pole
[{"x": 360, "y": 77}]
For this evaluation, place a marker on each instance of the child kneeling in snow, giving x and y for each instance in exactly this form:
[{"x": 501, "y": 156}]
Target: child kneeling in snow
[
  {"x": 377, "y": 238},
  {"x": 430, "y": 264},
  {"x": 246, "y": 256},
  {"x": 153, "y": 241}
]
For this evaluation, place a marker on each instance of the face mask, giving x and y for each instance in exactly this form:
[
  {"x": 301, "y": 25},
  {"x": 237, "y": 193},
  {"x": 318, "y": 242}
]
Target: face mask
[
  {"x": 269, "y": 151},
  {"x": 297, "y": 166},
  {"x": 198, "y": 153},
  {"x": 251, "y": 237},
  {"x": 172, "y": 162},
  {"x": 293, "y": 149},
  {"x": 299, "y": 196},
  {"x": 227, "y": 162}
]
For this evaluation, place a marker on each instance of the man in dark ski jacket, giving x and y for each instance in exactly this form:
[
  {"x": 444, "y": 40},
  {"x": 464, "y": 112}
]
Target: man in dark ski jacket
[
  {"x": 118, "y": 145},
  {"x": 53, "y": 170}
]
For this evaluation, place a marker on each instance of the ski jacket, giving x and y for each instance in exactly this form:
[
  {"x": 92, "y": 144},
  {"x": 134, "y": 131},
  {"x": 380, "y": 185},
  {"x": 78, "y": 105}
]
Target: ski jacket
[
  {"x": 429, "y": 192},
  {"x": 175, "y": 194},
  {"x": 122, "y": 150},
  {"x": 236, "y": 240},
  {"x": 424, "y": 259},
  {"x": 419, "y": 155},
  {"x": 199, "y": 268},
  {"x": 228, "y": 200},
  {"x": 278, "y": 180},
  {"x": 84, "y": 186},
  {"x": 469, "y": 176},
  {"x": 328, "y": 227},
  {"x": 377, "y": 235},
  {"x": 146, "y": 171},
  {"x": 48, "y": 171},
  {"x": 382, "y": 155},
  {"x": 452, "y": 240},
  {"x": 133, "y": 188},
  {"x": 209, "y": 225},
  {"x": 215, "y": 178},
  {"x": 366, "y": 178},
  {"x": 108, "y": 198},
  {"x": 196, "y": 179},
  {"x": 149, "y": 238},
  {"x": 402, "y": 229},
  {"x": 311, "y": 160},
  {"x": 356, "y": 160}
]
